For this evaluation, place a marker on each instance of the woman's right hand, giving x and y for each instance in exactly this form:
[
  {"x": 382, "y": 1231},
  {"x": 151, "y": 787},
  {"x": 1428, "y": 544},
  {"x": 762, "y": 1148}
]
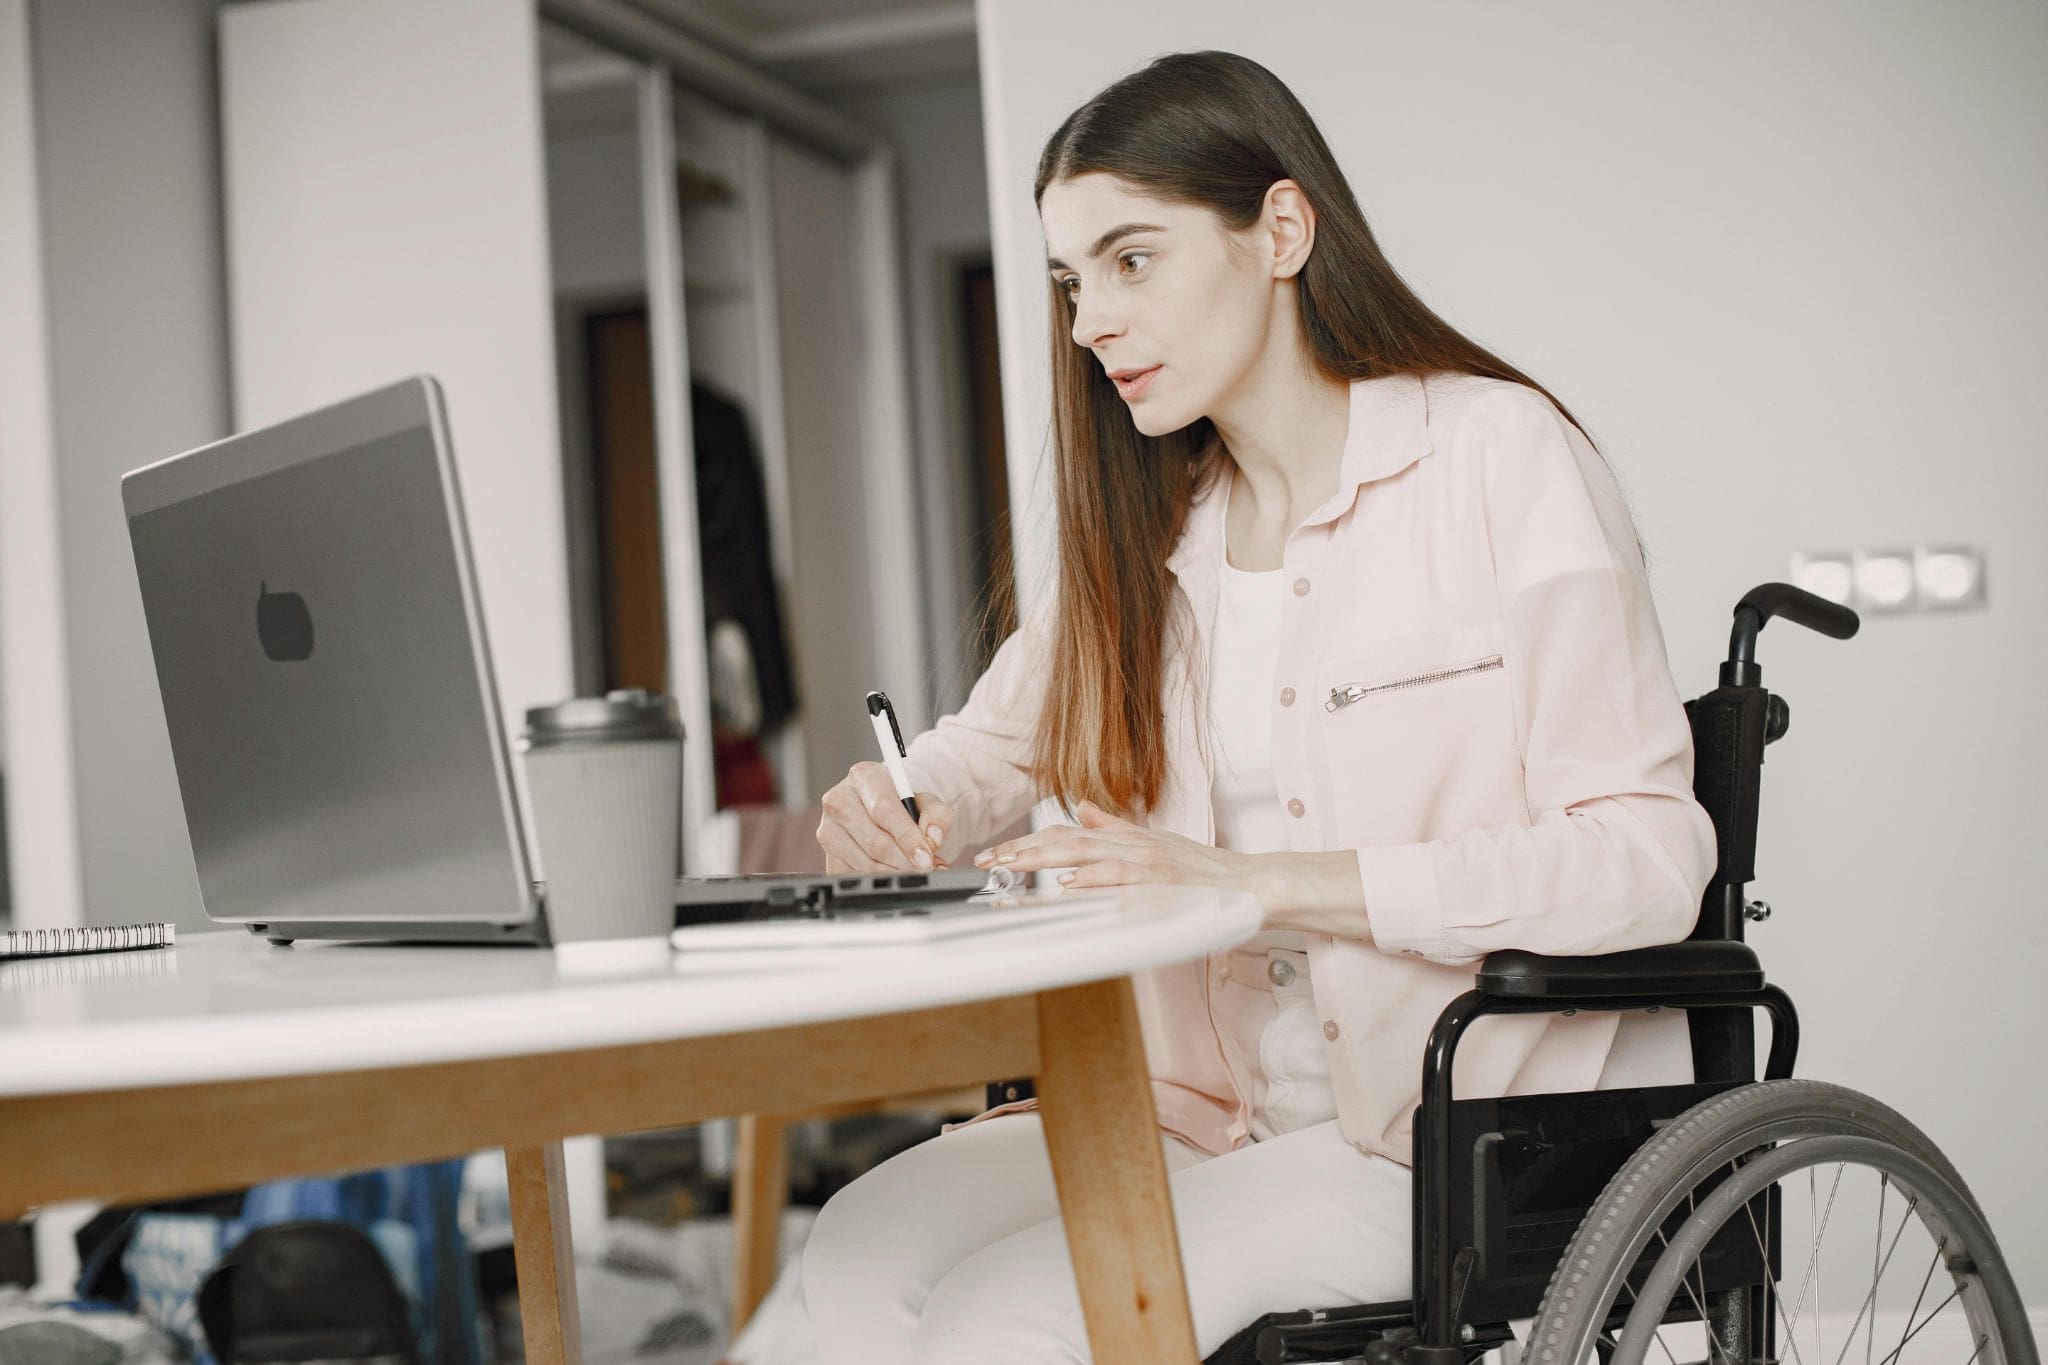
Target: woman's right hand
[{"x": 866, "y": 829}]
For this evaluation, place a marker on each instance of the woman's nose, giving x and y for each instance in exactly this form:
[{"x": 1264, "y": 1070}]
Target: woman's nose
[{"x": 1092, "y": 326}]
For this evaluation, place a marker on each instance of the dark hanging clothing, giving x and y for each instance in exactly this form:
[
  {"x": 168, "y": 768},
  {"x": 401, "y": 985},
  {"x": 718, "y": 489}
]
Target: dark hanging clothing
[{"x": 732, "y": 521}]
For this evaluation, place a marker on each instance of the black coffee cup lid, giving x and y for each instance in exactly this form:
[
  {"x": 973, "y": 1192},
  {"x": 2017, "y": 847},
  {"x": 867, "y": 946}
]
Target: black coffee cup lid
[{"x": 630, "y": 713}]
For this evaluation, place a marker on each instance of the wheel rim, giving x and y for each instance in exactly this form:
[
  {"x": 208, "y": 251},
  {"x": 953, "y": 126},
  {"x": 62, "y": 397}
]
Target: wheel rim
[{"x": 1905, "y": 1191}]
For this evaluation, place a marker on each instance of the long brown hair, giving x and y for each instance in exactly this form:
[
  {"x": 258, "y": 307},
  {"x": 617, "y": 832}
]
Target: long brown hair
[{"x": 1212, "y": 129}]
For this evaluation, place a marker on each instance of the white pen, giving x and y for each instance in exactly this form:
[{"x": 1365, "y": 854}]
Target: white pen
[{"x": 883, "y": 717}]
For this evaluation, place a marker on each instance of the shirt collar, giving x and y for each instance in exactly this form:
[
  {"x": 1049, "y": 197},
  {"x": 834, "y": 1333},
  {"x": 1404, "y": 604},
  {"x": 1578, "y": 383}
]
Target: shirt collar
[{"x": 1389, "y": 430}]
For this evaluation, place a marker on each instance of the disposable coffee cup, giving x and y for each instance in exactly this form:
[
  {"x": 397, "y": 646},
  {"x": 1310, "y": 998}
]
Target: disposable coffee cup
[{"x": 605, "y": 777}]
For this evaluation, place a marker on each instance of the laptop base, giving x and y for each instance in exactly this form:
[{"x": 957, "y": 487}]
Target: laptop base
[{"x": 529, "y": 933}]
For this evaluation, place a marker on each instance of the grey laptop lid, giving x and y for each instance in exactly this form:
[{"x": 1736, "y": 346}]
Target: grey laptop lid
[{"x": 320, "y": 651}]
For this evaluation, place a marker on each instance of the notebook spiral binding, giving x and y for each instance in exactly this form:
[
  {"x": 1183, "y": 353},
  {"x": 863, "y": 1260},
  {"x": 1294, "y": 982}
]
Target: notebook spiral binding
[{"x": 107, "y": 938}]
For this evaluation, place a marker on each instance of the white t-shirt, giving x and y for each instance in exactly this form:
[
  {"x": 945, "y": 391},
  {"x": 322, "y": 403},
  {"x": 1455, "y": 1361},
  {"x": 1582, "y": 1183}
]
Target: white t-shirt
[{"x": 1280, "y": 1060}]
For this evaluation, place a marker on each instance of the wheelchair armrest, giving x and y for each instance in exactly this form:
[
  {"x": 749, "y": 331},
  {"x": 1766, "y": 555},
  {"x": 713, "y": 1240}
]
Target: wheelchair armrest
[{"x": 1695, "y": 968}]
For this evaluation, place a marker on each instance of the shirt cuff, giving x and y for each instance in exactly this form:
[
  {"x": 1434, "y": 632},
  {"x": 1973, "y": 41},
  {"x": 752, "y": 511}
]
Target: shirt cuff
[{"x": 1399, "y": 882}]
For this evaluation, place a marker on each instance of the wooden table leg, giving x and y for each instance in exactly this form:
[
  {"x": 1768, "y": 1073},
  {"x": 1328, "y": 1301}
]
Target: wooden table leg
[
  {"x": 543, "y": 1256},
  {"x": 760, "y": 1191},
  {"x": 1096, "y": 1097}
]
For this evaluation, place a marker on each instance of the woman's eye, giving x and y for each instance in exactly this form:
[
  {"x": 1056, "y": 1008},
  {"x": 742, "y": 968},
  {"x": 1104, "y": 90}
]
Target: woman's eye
[{"x": 1128, "y": 264}]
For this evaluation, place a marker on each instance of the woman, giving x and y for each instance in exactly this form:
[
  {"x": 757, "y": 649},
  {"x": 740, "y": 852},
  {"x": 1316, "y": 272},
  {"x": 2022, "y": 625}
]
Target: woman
[{"x": 1350, "y": 614}]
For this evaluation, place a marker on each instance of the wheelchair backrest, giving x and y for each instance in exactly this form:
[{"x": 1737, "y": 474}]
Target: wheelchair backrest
[{"x": 1728, "y": 736}]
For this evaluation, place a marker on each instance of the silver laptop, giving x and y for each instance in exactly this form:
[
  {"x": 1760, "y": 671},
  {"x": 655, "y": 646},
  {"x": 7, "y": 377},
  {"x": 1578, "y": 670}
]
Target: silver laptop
[
  {"x": 313, "y": 613},
  {"x": 327, "y": 686}
]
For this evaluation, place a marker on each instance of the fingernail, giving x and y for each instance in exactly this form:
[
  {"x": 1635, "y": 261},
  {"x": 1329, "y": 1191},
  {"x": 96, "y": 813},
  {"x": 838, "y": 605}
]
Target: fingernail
[
  {"x": 935, "y": 834},
  {"x": 984, "y": 858},
  {"x": 1066, "y": 877},
  {"x": 1007, "y": 858},
  {"x": 922, "y": 859}
]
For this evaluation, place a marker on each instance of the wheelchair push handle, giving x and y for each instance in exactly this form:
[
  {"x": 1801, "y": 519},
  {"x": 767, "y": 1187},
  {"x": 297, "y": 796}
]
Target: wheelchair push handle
[
  {"x": 1758, "y": 606},
  {"x": 1797, "y": 605}
]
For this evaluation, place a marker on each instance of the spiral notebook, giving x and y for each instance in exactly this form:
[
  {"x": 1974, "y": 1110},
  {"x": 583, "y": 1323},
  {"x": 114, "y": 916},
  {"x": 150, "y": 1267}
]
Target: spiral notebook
[{"x": 106, "y": 938}]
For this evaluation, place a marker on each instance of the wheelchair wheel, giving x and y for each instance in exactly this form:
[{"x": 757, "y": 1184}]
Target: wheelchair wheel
[{"x": 1766, "y": 1170}]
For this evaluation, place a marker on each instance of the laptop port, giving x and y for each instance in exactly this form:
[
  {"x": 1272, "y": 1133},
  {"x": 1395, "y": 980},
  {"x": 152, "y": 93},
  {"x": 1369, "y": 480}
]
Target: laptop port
[{"x": 910, "y": 881}]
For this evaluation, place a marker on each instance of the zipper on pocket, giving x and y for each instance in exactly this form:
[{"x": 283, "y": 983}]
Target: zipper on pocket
[{"x": 1344, "y": 694}]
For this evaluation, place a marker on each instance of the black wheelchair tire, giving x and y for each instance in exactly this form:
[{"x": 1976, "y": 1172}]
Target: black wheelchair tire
[{"x": 1704, "y": 1140}]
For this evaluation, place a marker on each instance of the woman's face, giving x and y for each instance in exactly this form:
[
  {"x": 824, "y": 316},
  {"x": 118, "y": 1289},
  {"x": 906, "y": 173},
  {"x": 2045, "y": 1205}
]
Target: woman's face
[{"x": 1177, "y": 310}]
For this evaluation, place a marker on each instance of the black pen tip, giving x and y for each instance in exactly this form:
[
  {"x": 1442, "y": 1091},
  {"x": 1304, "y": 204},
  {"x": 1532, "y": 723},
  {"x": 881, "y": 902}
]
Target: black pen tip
[{"x": 878, "y": 702}]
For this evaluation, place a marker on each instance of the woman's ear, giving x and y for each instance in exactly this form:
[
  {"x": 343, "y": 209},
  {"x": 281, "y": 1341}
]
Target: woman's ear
[{"x": 1289, "y": 221}]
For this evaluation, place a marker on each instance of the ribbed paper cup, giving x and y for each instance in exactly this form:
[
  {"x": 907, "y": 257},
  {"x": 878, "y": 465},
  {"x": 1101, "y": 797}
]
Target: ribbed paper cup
[{"x": 606, "y": 788}]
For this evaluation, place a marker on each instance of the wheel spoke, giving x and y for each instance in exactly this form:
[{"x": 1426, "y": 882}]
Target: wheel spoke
[
  {"x": 1877, "y": 1271},
  {"x": 1940, "y": 1250},
  {"x": 1813, "y": 1261},
  {"x": 1912, "y": 1332},
  {"x": 1820, "y": 1311},
  {"x": 1870, "y": 1299},
  {"x": 1714, "y": 1342},
  {"x": 1698, "y": 1307},
  {"x": 1692, "y": 1206},
  {"x": 1812, "y": 1175},
  {"x": 1763, "y": 1245},
  {"x": 1655, "y": 1335}
]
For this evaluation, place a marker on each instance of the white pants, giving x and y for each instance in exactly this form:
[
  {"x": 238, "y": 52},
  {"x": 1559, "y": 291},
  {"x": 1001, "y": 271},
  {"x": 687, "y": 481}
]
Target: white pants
[{"x": 954, "y": 1252}]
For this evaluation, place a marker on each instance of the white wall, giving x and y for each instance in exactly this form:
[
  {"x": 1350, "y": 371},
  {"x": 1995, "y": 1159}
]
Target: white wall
[
  {"x": 833, "y": 614},
  {"x": 1785, "y": 263},
  {"x": 943, "y": 213},
  {"x": 398, "y": 226},
  {"x": 35, "y": 751},
  {"x": 125, "y": 202}
]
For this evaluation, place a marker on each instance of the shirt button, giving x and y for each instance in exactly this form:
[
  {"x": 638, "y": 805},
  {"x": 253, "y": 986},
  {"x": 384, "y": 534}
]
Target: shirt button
[
  {"x": 1287, "y": 696},
  {"x": 1330, "y": 1029},
  {"x": 1295, "y": 808},
  {"x": 1281, "y": 971},
  {"x": 1301, "y": 587}
]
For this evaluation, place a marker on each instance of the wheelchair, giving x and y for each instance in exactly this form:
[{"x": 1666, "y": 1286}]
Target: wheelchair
[{"x": 1627, "y": 1226}]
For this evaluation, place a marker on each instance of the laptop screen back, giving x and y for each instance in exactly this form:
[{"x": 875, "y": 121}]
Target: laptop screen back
[{"x": 320, "y": 660}]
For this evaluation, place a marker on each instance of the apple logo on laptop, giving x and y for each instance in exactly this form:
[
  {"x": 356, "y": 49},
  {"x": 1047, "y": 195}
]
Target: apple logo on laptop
[{"x": 283, "y": 624}]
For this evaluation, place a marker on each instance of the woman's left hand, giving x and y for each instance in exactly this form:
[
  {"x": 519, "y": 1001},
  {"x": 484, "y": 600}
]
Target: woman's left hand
[{"x": 1107, "y": 851}]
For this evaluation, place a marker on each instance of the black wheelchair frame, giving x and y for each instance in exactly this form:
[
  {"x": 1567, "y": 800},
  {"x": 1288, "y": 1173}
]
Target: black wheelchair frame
[
  {"x": 1504, "y": 1185},
  {"x": 1501, "y": 1184}
]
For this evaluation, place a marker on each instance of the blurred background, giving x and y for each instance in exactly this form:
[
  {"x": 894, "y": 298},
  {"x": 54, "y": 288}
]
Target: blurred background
[{"x": 739, "y": 309}]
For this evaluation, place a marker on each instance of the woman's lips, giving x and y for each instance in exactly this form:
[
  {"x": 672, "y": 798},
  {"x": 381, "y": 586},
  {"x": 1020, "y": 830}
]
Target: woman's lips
[{"x": 1136, "y": 384}]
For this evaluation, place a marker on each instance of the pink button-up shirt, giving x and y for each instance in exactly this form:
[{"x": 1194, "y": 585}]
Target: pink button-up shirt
[{"x": 1473, "y": 693}]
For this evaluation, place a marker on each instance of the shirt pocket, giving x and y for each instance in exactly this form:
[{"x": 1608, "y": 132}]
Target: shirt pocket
[{"x": 1419, "y": 735}]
